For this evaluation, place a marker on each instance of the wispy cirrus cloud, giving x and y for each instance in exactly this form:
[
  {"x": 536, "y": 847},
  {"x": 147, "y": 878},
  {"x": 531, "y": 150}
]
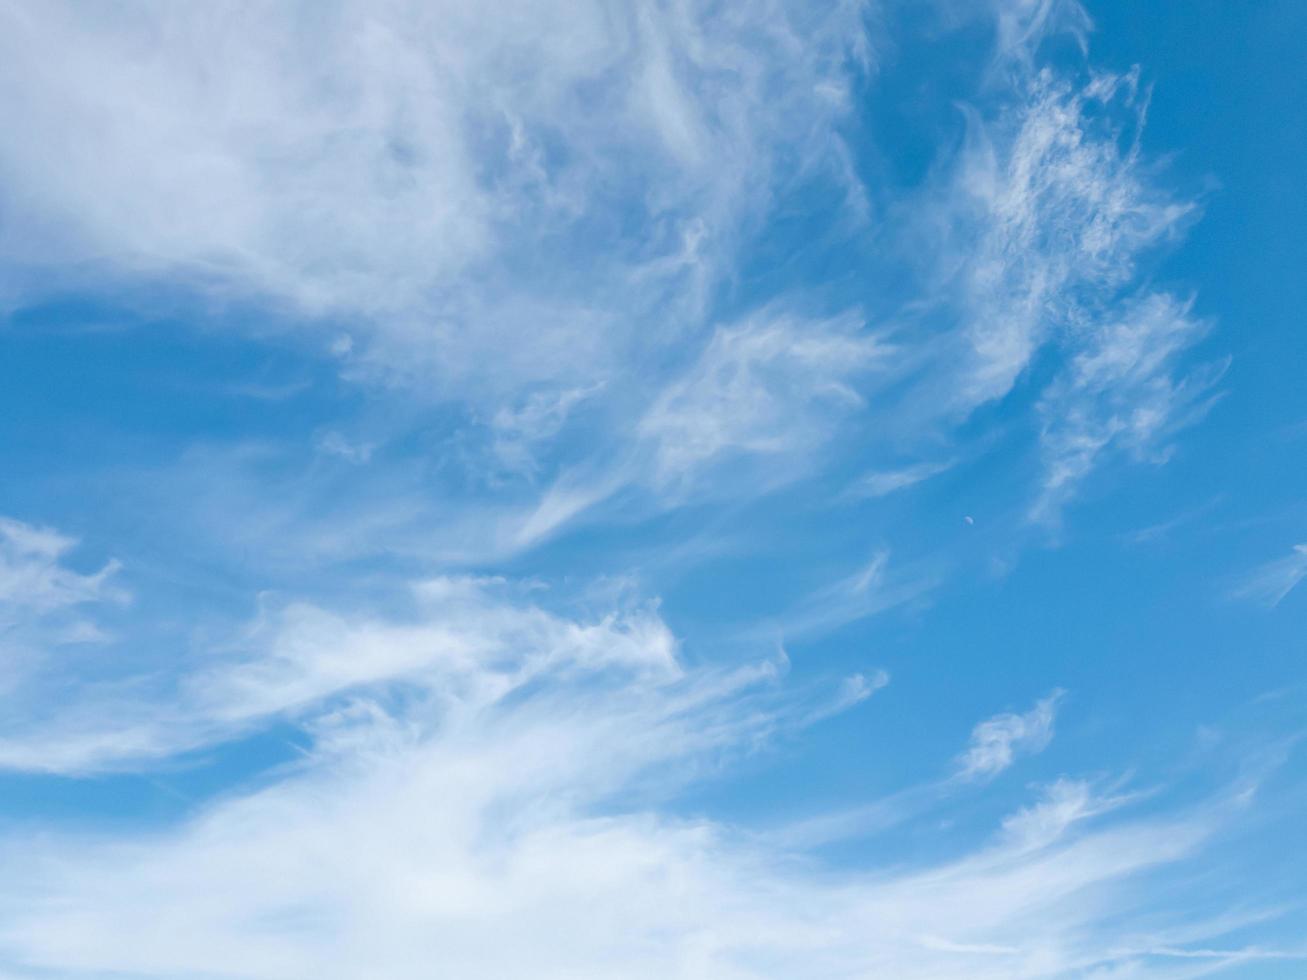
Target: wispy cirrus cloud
[
  {"x": 882, "y": 483},
  {"x": 520, "y": 430},
  {"x": 1065, "y": 803},
  {"x": 1270, "y": 583},
  {"x": 45, "y": 604},
  {"x": 1122, "y": 393},
  {"x": 997, "y": 742},
  {"x": 531, "y": 813},
  {"x": 771, "y": 386},
  {"x": 1045, "y": 222},
  {"x": 772, "y": 389},
  {"x": 496, "y": 765},
  {"x": 471, "y": 168},
  {"x": 1024, "y": 24},
  {"x": 48, "y": 613},
  {"x": 873, "y": 588},
  {"x": 477, "y": 172},
  {"x": 34, "y": 579},
  {"x": 522, "y": 240},
  {"x": 1050, "y": 217},
  {"x": 461, "y": 637}
]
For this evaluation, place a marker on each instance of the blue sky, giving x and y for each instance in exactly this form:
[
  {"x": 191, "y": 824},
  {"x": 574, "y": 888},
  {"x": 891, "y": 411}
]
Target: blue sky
[{"x": 652, "y": 490}]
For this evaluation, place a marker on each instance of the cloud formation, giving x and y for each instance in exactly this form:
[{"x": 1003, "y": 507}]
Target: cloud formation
[
  {"x": 996, "y": 742},
  {"x": 1121, "y": 393},
  {"x": 33, "y": 577},
  {"x": 449, "y": 184},
  {"x": 539, "y": 253},
  {"x": 505, "y": 817},
  {"x": 1270, "y": 583},
  {"x": 773, "y": 385}
]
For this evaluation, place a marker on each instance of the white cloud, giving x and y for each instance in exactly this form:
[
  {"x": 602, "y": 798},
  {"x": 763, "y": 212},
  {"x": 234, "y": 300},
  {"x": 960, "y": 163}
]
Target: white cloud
[
  {"x": 1122, "y": 391},
  {"x": 1024, "y": 24},
  {"x": 485, "y": 793},
  {"x": 518, "y": 211},
  {"x": 1050, "y": 216},
  {"x": 996, "y": 742},
  {"x": 34, "y": 579},
  {"x": 489, "y": 832},
  {"x": 512, "y": 216},
  {"x": 1270, "y": 583},
  {"x": 774, "y": 384},
  {"x": 528, "y": 204},
  {"x": 885, "y": 482},
  {"x": 47, "y": 614},
  {"x": 872, "y": 589},
  {"x": 519, "y": 430},
  {"x": 43, "y": 606},
  {"x": 773, "y": 387},
  {"x": 1065, "y": 803},
  {"x": 1041, "y": 231},
  {"x": 339, "y": 445},
  {"x": 462, "y": 637},
  {"x": 448, "y": 182}
]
